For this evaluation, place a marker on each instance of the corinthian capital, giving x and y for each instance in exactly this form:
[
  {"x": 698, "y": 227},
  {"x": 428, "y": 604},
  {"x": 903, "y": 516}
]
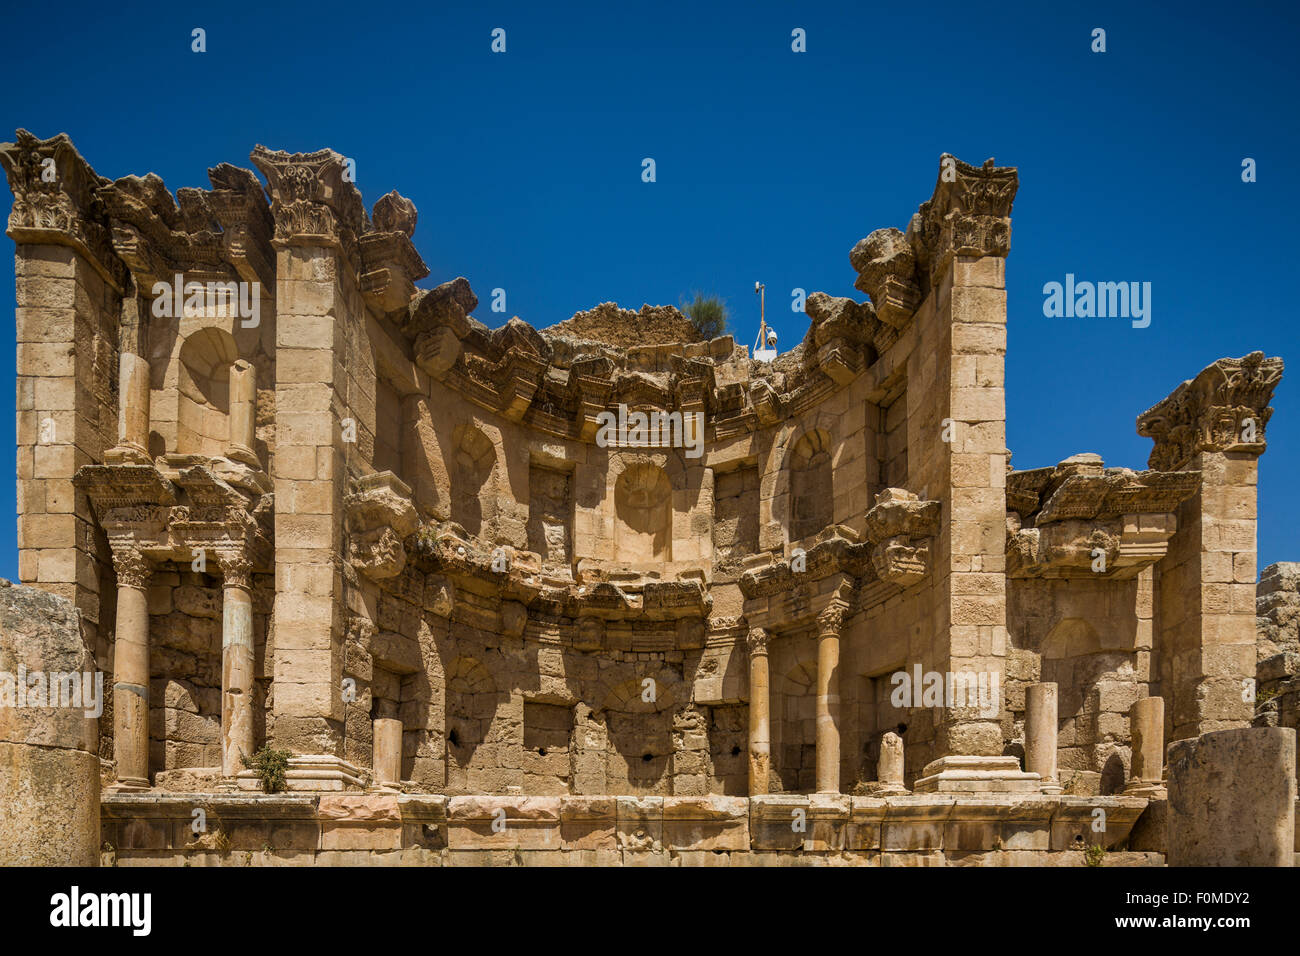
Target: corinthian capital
[
  {"x": 1224, "y": 408},
  {"x": 756, "y": 640},
  {"x": 831, "y": 619},
  {"x": 311, "y": 200},
  {"x": 55, "y": 202},
  {"x": 238, "y": 570},
  {"x": 131, "y": 567},
  {"x": 968, "y": 215}
]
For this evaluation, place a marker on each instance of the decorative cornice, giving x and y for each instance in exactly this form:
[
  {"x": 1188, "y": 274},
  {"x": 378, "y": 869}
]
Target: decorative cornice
[{"x": 1223, "y": 409}]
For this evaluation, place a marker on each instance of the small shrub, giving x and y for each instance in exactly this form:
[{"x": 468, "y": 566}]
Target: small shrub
[
  {"x": 708, "y": 314},
  {"x": 270, "y": 766},
  {"x": 1094, "y": 855}
]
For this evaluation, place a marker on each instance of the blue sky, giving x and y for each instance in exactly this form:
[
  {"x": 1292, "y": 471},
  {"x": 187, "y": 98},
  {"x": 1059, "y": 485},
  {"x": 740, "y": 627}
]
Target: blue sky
[{"x": 526, "y": 166}]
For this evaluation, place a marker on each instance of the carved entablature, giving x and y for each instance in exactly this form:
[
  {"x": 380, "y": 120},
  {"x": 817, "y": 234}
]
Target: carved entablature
[
  {"x": 380, "y": 516},
  {"x": 1223, "y": 409},
  {"x": 838, "y": 336},
  {"x": 312, "y": 201},
  {"x": 239, "y": 204},
  {"x": 968, "y": 215},
  {"x": 158, "y": 239},
  {"x": 886, "y": 267},
  {"x": 55, "y": 202},
  {"x": 390, "y": 266},
  {"x": 899, "y": 527},
  {"x": 1081, "y": 518},
  {"x": 836, "y": 553}
]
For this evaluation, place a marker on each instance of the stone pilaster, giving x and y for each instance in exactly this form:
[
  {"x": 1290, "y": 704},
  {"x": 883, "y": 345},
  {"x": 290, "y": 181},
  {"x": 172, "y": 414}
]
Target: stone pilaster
[
  {"x": 318, "y": 216},
  {"x": 1213, "y": 424},
  {"x": 961, "y": 237},
  {"x": 68, "y": 287}
]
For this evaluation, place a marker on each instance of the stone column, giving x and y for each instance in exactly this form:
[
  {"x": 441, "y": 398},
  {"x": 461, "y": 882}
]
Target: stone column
[
  {"x": 889, "y": 767},
  {"x": 1040, "y": 734},
  {"x": 387, "y": 755},
  {"x": 132, "y": 412},
  {"x": 243, "y": 413},
  {"x": 236, "y": 664},
  {"x": 828, "y": 697},
  {"x": 131, "y": 670},
  {"x": 1146, "y": 720},
  {"x": 760, "y": 733}
]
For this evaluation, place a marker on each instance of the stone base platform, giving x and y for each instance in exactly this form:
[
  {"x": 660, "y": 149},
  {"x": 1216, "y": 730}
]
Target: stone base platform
[{"x": 387, "y": 829}]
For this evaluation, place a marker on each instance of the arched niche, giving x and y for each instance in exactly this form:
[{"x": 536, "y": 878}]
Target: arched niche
[
  {"x": 203, "y": 384},
  {"x": 470, "y": 464},
  {"x": 811, "y": 495},
  {"x": 643, "y": 509}
]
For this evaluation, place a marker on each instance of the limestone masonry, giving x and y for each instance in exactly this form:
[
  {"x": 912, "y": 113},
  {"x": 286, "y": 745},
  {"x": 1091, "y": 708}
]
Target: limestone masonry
[{"x": 297, "y": 502}]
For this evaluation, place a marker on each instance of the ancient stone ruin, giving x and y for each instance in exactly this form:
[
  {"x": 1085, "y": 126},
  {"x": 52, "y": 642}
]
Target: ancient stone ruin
[{"x": 804, "y": 609}]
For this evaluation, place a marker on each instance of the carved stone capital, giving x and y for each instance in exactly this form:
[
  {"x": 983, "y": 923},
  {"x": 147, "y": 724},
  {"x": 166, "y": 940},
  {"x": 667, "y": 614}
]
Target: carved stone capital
[
  {"x": 238, "y": 570},
  {"x": 55, "y": 202},
  {"x": 131, "y": 567},
  {"x": 311, "y": 201},
  {"x": 899, "y": 528},
  {"x": 756, "y": 641},
  {"x": 1224, "y": 408},
  {"x": 968, "y": 215},
  {"x": 380, "y": 516},
  {"x": 831, "y": 620}
]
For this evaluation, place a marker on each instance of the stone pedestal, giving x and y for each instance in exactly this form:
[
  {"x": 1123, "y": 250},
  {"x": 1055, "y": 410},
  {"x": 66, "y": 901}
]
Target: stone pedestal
[
  {"x": 1040, "y": 734},
  {"x": 1232, "y": 797},
  {"x": 977, "y": 775},
  {"x": 889, "y": 768},
  {"x": 1146, "y": 720}
]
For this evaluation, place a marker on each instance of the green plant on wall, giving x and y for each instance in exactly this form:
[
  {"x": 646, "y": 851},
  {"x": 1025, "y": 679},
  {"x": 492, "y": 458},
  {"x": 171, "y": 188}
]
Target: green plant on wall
[{"x": 270, "y": 766}]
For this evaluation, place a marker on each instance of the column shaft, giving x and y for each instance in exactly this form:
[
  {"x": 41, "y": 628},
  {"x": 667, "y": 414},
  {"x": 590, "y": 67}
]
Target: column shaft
[
  {"x": 236, "y": 673},
  {"x": 131, "y": 671},
  {"x": 828, "y": 700},
  {"x": 760, "y": 739}
]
